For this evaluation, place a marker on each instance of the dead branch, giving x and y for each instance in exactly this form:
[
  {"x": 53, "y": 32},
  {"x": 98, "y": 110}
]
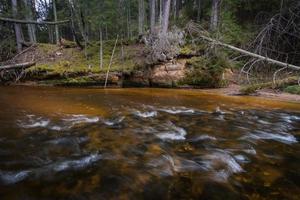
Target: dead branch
[
  {"x": 17, "y": 66},
  {"x": 110, "y": 63},
  {"x": 18, "y": 21}
]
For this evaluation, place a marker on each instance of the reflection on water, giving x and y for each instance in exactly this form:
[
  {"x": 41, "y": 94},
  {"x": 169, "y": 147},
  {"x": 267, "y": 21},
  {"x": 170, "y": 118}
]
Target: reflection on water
[{"x": 58, "y": 143}]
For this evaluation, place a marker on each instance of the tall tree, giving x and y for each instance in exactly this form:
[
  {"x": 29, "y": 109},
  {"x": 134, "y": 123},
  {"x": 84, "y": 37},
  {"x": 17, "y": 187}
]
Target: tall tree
[
  {"x": 199, "y": 10},
  {"x": 160, "y": 12},
  {"x": 215, "y": 13},
  {"x": 55, "y": 19},
  {"x": 141, "y": 16},
  {"x": 166, "y": 15},
  {"x": 29, "y": 16},
  {"x": 18, "y": 30},
  {"x": 152, "y": 15}
]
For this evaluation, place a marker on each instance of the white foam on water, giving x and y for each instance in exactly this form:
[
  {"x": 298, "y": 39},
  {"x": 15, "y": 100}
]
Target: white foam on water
[
  {"x": 174, "y": 110},
  {"x": 261, "y": 135},
  {"x": 221, "y": 165},
  {"x": 78, "y": 119},
  {"x": 241, "y": 158},
  {"x": 250, "y": 151},
  {"x": 68, "y": 140},
  {"x": 113, "y": 122},
  {"x": 219, "y": 111},
  {"x": 34, "y": 122},
  {"x": 175, "y": 133},
  {"x": 264, "y": 122},
  {"x": 77, "y": 164},
  {"x": 9, "y": 178},
  {"x": 167, "y": 165},
  {"x": 204, "y": 137},
  {"x": 56, "y": 128},
  {"x": 291, "y": 118},
  {"x": 145, "y": 114}
]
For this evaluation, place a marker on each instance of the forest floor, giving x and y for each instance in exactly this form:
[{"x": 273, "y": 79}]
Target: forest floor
[{"x": 70, "y": 66}]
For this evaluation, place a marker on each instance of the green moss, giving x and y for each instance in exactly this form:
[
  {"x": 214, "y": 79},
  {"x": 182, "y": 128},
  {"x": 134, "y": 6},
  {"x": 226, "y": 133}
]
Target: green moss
[
  {"x": 77, "y": 81},
  {"x": 280, "y": 84},
  {"x": 251, "y": 89},
  {"x": 46, "y": 48},
  {"x": 73, "y": 60},
  {"x": 187, "y": 50},
  {"x": 206, "y": 72},
  {"x": 294, "y": 89}
]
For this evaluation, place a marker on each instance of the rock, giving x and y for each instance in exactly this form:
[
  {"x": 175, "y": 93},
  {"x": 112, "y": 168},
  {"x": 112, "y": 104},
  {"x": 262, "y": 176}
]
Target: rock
[
  {"x": 160, "y": 75},
  {"x": 167, "y": 75}
]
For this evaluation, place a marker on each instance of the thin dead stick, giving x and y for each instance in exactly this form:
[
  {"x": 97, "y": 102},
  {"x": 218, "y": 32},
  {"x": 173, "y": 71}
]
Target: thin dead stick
[
  {"x": 122, "y": 55},
  {"x": 18, "y": 21},
  {"x": 111, "y": 59},
  {"x": 101, "y": 49}
]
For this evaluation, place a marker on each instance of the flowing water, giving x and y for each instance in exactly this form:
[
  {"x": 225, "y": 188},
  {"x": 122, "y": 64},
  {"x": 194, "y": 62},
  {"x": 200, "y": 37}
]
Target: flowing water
[{"x": 60, "y": 143}]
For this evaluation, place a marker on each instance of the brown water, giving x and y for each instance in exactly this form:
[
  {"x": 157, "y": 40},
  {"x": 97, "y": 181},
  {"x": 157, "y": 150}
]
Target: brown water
[{"x": 58, "y": 143}]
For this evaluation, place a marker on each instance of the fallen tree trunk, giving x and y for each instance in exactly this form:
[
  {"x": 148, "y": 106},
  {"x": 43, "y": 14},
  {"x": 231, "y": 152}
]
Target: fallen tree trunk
[
  {"x": 192, "y": 28},
  {"x": 250, "y": 89},
  {"x": 17, "y": 66},
  {"x": 18, "y": 21},
  {"x": 263, "y": 58}
]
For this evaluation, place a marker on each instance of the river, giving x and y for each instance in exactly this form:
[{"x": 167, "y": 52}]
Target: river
[{"x": 88, "y": 143}]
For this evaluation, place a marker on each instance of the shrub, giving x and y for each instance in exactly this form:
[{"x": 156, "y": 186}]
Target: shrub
[
  {"x": 294, "y": 89},
  {"x": 207, "y": 72}
]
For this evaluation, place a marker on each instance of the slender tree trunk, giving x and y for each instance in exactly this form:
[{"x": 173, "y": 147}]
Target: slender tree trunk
[
  {"x": 166, "y": 15},
  {"x": 152, "y": 16},
  {"x": 215, "y": 13},
  {"x": 75, "y": 38},
  {"x": 55, "y": 19},
  {"x": 141, "y": 17},
  {"x": 174, "y": 8},
  {"x": 18, "y": 30},
  {"x": 106, "y": 32},
  {"x": 77, "y": 15},
  {"x": 101, "y": 49},
  {"x": 160, "y": 12},
  {"x": 29, "y": 16},
  {"x": 50, "y": 34},
  {"x": 129, "y": 19},
  {"x": 199, "y": 10}
]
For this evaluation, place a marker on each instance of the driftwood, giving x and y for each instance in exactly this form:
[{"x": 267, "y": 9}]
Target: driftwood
[
  {"x": 17, "y": 66},
  {"x": 18, "y": 21},
  {"x": 192, "y": 29}
]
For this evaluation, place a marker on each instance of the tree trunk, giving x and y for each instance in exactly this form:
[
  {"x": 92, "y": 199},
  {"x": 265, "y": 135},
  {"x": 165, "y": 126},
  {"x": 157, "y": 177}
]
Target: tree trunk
[
  {"x": 17, "y": 66},
  {"x": 215, "y": 13},
  {"x": 152, "y": 16},
  {"x": 75, "y": 37},
  {"x": 199, "y": 10},
  {"x": 166, "y": 14},
  {"x": 18, "y": 30},
  {"x": 160, "y": 12},
  {"x": 29, "y": 17},
  {"x": 174, "y": 8},
  {"x": 141, "y": 17},
  {"x": 55, "y": 19}
]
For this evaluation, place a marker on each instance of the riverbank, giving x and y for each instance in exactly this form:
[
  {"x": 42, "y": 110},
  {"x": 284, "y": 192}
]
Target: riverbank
[
  {"x": 235, "y": 90},
  {"x": 67, "y": 66}
]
